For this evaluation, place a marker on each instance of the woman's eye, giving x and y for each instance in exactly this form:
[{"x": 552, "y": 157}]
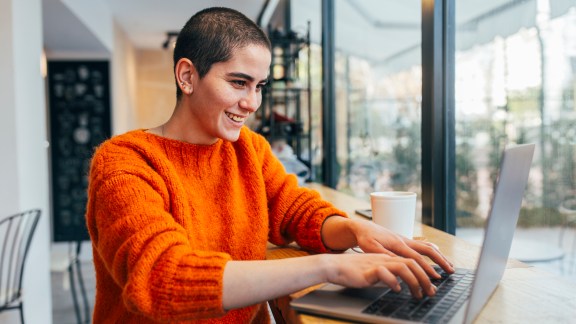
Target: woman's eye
[{"x": 240, "y": 83}]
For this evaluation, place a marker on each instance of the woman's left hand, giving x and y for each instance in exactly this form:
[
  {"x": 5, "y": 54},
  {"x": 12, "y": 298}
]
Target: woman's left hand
[{"x": 373, "y": 238}]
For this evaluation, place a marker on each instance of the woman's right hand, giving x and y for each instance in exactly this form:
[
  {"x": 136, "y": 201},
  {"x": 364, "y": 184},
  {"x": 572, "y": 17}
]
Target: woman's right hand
[{"x": 366, "y": 269}]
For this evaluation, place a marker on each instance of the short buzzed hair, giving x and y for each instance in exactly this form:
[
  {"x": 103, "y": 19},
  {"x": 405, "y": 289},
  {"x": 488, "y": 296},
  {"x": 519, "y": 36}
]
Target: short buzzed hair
[{"x": 211, "y": 36}]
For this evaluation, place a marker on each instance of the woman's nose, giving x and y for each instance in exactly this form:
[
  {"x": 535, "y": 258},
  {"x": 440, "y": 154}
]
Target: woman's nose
[{"x": 251, "y": 101}]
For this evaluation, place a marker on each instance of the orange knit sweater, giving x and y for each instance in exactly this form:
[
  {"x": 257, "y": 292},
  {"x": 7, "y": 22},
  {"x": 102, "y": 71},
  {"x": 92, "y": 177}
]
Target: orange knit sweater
[{"x": 165, "y": 216}]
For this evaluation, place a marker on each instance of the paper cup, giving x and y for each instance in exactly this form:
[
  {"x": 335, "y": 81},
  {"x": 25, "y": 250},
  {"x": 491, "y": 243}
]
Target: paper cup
[{"x": 395, "y": 210}]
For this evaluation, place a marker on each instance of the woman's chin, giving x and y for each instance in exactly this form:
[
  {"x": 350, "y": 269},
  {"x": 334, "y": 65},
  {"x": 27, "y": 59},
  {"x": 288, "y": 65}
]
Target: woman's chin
[{"x": 231, "y": 135}]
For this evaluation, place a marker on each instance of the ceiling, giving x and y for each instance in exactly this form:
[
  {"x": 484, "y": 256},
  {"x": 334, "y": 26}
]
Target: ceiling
[
  {"x": 146, "y": 21},
  {"x": 377, "y": 30}
]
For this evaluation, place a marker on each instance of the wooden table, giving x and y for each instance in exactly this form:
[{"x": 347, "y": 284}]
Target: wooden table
[{"x": 525, "y": 295}]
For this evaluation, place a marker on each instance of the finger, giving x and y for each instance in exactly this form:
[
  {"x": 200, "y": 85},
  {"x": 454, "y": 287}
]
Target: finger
[
  {"x": 402, "y": 270},
  {"x": 433, "y": 246},
  {"x": 388, "y": 278},
  {"x": 373, "y": 246},
  {"x": 437, "y": 249},
  {"x": 433, "y": 253},
  {"x": 409, "y": 250},
  {"x": 422, "y": 276},
  {"x": 431, "y": 250}
]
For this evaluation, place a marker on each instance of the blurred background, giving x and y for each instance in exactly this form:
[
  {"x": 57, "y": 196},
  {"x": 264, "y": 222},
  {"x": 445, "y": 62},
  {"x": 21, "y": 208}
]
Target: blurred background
[{"x": 76, "y": 72}]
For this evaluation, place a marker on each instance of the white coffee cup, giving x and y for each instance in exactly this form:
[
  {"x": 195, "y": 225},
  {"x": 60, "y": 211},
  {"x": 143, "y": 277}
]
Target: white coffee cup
[{"x": 395, "y": 210}]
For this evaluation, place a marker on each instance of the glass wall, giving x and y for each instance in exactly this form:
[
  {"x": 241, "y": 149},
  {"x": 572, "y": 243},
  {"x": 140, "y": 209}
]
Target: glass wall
[
  {"x": 378, "y": 89},
  {"x": 378, "y": 92},
  {"x": 515, "y": 83}
]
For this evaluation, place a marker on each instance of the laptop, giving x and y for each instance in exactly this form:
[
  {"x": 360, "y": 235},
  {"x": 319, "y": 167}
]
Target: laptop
[{"x": 461, "y": 296}]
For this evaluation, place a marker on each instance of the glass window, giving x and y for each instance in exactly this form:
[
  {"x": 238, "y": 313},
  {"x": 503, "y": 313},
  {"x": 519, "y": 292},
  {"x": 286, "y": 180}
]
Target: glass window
[
  {"x": 378, "y": 87},
  {"x": 515, "y": 83}
]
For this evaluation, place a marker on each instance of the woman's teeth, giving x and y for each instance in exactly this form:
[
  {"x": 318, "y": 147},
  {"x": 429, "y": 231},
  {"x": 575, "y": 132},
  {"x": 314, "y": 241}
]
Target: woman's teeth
[{"x": 235, "y": 117}]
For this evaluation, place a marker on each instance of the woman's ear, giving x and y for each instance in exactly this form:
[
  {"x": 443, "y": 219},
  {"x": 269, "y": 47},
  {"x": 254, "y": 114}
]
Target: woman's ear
[{"x": 185, "y": 74}]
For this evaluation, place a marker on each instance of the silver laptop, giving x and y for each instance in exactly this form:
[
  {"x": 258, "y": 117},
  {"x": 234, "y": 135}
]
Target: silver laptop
[{"x": 461, "y": 296}]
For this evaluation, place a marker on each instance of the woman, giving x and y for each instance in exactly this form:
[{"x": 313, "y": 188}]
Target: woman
[{"x": 180, "y": 214}]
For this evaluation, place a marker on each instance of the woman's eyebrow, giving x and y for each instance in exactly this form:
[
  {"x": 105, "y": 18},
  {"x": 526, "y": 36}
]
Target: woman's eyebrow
[{"x": 244, "y": 76}]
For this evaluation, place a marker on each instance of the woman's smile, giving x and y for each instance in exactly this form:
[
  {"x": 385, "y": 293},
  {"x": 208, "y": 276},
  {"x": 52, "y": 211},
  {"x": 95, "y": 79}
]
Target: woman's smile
[{"x": 236, "y": 118}]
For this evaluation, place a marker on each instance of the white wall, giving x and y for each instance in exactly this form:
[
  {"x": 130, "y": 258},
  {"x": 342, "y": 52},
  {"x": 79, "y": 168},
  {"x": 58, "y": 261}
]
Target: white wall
[
  {"x": 123, "y": 76},
  {"x": 8, "y": 193},
  {"x": 24, "y": 175},
  {"x": 97, "y": 17},
  {"x": 24, "y": 161}
]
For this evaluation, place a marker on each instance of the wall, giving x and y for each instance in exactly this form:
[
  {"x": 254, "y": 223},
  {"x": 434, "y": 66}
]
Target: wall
[
  {"x": 24, "y": 162},
  {"x": 24, "y": 175},
  {"x": 97, "y": 17},
  {"x": 156, "y": 88},
  {"x": 123, "y": 76}
]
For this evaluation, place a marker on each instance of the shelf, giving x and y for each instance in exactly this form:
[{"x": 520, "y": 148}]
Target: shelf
[{"x": 285, "y": 101}]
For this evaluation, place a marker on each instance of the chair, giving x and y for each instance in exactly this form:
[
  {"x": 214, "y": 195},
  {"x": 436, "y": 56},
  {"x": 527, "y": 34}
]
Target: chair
[
  {"x": 68, "y": 263},
  {"x": 75, "y": 267},
  {"x": 16, "y": 233}
]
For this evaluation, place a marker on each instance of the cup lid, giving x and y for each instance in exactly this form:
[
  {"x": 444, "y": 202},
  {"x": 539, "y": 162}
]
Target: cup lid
[{"x": 393, "y": 194}]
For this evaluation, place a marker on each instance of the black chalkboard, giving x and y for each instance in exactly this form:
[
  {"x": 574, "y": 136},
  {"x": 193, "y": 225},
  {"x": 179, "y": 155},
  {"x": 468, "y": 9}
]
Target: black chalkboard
[{"x": 79, "y": 103}]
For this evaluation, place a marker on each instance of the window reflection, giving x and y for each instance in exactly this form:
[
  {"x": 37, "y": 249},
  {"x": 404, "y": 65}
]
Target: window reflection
[
  {"x": 378, "y": 96},
  {"x": 515, "y": 82},
  {"x": 516, "y": 86}
]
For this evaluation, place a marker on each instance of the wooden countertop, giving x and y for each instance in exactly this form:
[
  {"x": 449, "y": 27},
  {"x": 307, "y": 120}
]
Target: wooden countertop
[{"x": 525, "y": 295}]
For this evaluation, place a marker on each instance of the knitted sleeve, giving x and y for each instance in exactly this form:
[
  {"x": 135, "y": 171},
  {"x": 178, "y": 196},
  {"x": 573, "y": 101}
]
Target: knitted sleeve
[
  {"x": 146, "y": 252},
  {"x": 296, "y": 213}
]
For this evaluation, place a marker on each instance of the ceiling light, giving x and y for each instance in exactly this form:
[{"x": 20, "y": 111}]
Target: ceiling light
[{"x": 169, "y": 36}]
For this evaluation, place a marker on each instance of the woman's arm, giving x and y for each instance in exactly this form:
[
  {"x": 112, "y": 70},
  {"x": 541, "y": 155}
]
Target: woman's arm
[
  {"x": 337, "y": 234},
  {"x": 295, "y": 213},
  {"x": 250, "y": 282},
  {"x": 340, "y": 233}
]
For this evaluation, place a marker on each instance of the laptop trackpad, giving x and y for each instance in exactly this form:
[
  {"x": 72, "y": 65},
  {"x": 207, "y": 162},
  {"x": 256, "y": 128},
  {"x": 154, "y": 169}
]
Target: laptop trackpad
[
  {"x": 331, "y": 295},
  {"x": 370, "y": 294}
]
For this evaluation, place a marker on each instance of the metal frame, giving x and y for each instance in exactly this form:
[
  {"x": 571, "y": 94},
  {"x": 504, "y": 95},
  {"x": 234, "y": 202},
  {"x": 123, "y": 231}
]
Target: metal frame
[
  {"x": 329, "y": 162},
  {"x": 75, "y": 269},
  {"x": 438, "y": 124},
  {"x": 17, "y": 231}
]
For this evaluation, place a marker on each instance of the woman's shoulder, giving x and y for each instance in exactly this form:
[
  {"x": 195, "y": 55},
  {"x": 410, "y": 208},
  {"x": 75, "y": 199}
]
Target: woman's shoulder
[
  {"x": 252, "y": 138},
  {"x": 125, "y": 141},
  {"x": 129, "y": 147}
]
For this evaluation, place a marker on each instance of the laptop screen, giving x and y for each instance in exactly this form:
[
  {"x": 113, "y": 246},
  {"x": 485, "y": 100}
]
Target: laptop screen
[{"x": 506, "y": 203}]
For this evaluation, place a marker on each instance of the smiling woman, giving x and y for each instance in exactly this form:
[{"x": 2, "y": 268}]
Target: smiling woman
[
  {"x": 216, "y": 104},
  {"x": 180, "y": 215}
]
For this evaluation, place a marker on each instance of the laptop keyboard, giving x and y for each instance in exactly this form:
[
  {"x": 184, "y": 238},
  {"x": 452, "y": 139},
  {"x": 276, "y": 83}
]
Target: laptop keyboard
[{"x": 452, "y": 292}]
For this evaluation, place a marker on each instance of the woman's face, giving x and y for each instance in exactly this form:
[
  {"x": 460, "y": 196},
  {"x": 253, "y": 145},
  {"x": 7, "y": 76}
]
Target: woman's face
[{"x": 223, "y": 99}]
